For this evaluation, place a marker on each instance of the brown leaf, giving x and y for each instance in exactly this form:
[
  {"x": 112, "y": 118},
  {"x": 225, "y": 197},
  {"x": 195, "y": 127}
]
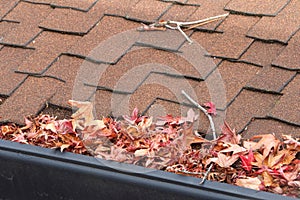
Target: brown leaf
[
  {"x": 266, "y": 142},
  {"x": 234, "y": 148},
  {"x": 267, "y": 178},
  {"x": 191, "y": 138},
  {"x": 84, "y": 114},
  {"x": 249, "y": 182},
  {"x": 224, "y": 161}
]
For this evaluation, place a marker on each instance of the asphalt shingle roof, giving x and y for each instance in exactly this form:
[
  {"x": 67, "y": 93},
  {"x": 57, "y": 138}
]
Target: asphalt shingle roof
[{"x": 248, "y": 63}]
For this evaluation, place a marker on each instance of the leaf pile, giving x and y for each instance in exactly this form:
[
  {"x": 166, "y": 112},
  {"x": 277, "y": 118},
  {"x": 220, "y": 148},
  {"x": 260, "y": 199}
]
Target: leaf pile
[
  {"x": 45, "y": 131},
  {"x": 136, "y": 139},
  {"x": 261, "y": 163}
]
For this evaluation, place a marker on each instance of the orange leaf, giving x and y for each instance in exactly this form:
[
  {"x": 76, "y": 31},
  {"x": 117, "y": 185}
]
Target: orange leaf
[{"x": 268, "y": 179}]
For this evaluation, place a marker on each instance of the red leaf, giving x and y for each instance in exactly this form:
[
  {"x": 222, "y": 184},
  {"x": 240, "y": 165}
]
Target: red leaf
[
  {"x": 246, "y": 161},
  {"x": 134, "y": 118},
  {"x": 229, "y": 135},
  {"x": 211, "y": 108}
]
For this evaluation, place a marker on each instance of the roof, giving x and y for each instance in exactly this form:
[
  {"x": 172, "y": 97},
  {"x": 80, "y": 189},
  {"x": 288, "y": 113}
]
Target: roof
[{"x": 248, "y": 63}]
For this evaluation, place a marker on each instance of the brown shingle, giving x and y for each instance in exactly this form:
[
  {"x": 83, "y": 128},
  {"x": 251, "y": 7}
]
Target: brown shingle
[
  {"x": 75, "y": 72},
  {"x": 5, "y": 28},
  {"x": 29, "y": 16},
  {"x": 10, "y": 59},
  {"x": 270, "y": 28},
  {"x": 136, "y": 65},
  {"x": 288, "y": 107},
  {"x": 114, "y": 7},
  {"x": 234, "y": 76},
  {"x": 247, "y": 105},
  {"x": 208, "y": 9},
  {"x": 254, "y": 7},
  {"x": 179, "y": 12},
  {"x": 73, "y": 21},
  {"x": 262, "y": 54},
  {"x": 267, "y": 126},
  {"x": 289, "y": 58},
  {"x": 148, "y": 10},
  {"x": 49, "y": 46},
  {"x": 169, "y": 39},
  {"x": 75, "y": 4},
  {"x": 205, "y": 39},
  {"x": 108, "y": 40},
  {"x": 271, "y": 79},
  {"x": 107, "y": 103},
  {"x": 6, "y": 6},
  {"x": 232, "y": 43},
  {"x": 27, "y": 100}
]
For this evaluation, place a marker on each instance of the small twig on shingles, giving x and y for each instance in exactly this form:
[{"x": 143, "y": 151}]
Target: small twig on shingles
[
  {"x": 176, "y": 25},
  {"x": 212, "y": 126}
]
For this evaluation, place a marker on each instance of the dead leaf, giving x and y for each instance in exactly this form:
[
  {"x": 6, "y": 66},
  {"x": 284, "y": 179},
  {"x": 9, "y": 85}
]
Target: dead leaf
[
  {"x": 234, "y": 148},
  {"x": 225, "y": 161},
  {"x": 211, "y": 108},
  {"x": 228, "y": 135},
  {"x": 249, "y": 182},
  {"x": 266, "y": 142},
  {"x": 247, "y": 160},
  {"x": 84, "y": 114},
  {"x": 267, "y": 179}
]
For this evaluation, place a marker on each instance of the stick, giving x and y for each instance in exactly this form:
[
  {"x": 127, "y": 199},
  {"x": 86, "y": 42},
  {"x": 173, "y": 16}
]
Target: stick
[
  {"x": 198, "y": 21},
  {"x": 206, "y": 174},
  {"x": 212, "y": 126},
  {"x": 211, "y": 122}
]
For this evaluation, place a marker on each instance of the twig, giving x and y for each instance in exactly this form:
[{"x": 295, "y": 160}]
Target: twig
[
  {"x": 211, "y": 122},
  {"x": 206, "y": 174},
  {"x": 200, "y": 24},
  {"x": 176, "y": 25},
  {"x": 198, "y": 21},
  {"x": 212, "y": 126}
]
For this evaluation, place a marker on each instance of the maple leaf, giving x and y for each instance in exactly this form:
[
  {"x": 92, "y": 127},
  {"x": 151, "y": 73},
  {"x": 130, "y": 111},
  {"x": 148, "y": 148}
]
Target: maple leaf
[
  {"x": 191, "y": 138},
  {"x": 291, "y": 142},
  {"x": 84, "y": 115},
  {"x": 249, "y": 182},
  {"x": 211, "y": 108},
  {"x": 247, "y": 160},
  {"x": 134, "y": 118},
  {"x": 267, "y": 179},
  {"x": 228, "y": 135},
  {"x": 291, "y": 175},
  {"x": 267, "y": 142},
  {"x": 234, "y": 148},
  {"x": 224, "y": 161}
]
